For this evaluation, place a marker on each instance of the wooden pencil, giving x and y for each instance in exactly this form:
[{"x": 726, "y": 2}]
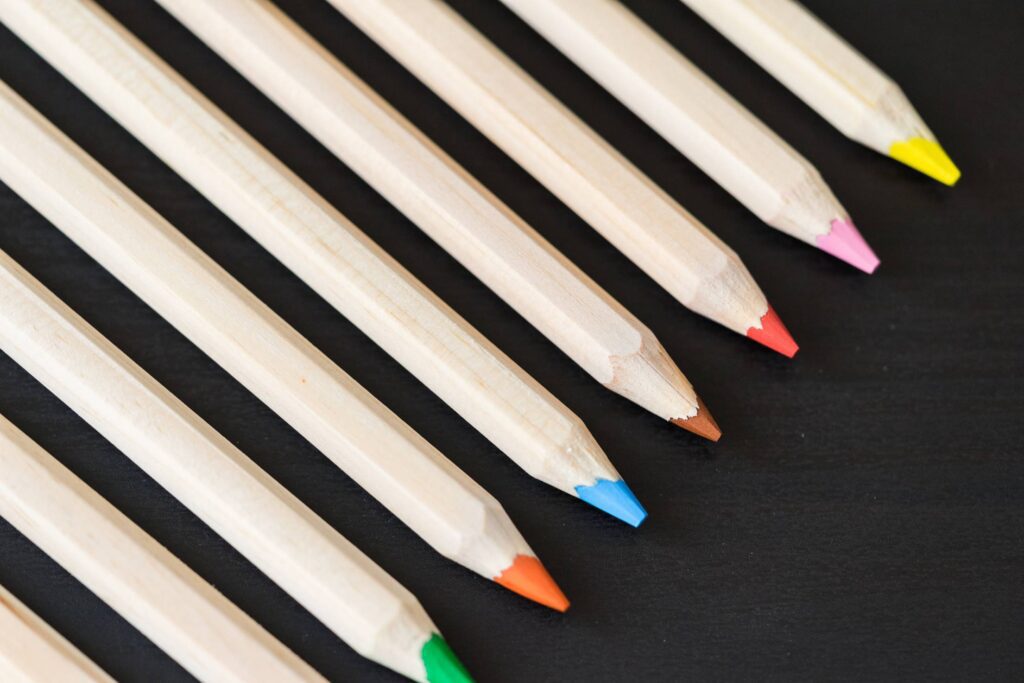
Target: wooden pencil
[
  {"x": 126, "y": 568},
  {"x": 358, "y": 433},
  {"x": 576, "y": 164},
  {"x": 833, "y": 78},
  {"x": 700, "y": 119},
  {"x": 451, "y": 207},
  {"x": 328, "y": 252},
  {"x": 31, "y": 650},
  {"x": 282, "y": 537}
]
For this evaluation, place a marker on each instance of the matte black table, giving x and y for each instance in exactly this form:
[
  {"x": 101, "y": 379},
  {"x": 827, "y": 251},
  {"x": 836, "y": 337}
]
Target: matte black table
[{"x": 861, "y": 519}]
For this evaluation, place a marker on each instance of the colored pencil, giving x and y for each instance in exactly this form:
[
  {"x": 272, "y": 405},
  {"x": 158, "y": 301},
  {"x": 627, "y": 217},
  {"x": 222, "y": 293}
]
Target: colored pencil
[
  {"x": 282, "y": 537},
  {"x": 700, "y": 119},
  {"x": 262, "y": 352},
  {"x": 126, "y": 568},
  {"x": 485, "y": 236},
  {"x": 327, "y": 251},
  {"x": 835, "y": 80},
  {"x": 579, "y": 167},
  {"x": 31, "y": 650}
]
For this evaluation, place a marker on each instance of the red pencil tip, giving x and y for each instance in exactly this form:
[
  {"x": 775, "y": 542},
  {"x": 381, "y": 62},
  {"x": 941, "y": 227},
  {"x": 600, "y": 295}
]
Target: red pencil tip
[
  {"x": 774, "y": 334},
  {"x": 528, "y": 577}
]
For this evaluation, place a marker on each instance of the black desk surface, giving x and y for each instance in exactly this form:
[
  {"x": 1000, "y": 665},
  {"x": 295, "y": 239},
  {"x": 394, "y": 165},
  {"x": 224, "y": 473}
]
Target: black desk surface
[{"x": 862, "y": 517}]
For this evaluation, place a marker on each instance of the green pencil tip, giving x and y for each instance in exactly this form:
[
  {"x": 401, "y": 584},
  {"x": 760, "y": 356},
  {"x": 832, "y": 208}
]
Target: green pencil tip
[{"x": 441, "y": 663}]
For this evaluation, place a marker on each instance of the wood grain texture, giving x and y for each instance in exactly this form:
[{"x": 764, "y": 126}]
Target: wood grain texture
[
  {"x": 572, "y": 161},
  {"x": 468, "y": 221},
  {"x": 30, "y": 650},
  {"x": 859, "y": 520},
  {"x": 133, "y": 573},
  {"x": 315, "y": 241},
  {"x": 691, "y": 111},
  {"x": 356, "y": 431},
  {"x": 819, "y": 67},
  {"x": 355, "y": 598}
]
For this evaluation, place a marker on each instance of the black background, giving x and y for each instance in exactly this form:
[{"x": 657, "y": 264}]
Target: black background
[{"x": 861, "y": 517}]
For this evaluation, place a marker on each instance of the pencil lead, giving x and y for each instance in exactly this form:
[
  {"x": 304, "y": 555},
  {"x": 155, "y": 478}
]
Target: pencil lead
[
  {"x": 774, "y": 334},
  {"x": 845, "y": 242},
  {"x": 615, "y": 498},
  {"x": 528, "y": 577},
  {"x": 701, "y": 423},
  {"x": 928, "y": 157},
  {"x": 441, "y": 663}
]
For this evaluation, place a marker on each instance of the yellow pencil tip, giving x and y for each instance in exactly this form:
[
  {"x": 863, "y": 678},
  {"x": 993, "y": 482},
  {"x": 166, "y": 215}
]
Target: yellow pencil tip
[{"x": 927, "y": 157}]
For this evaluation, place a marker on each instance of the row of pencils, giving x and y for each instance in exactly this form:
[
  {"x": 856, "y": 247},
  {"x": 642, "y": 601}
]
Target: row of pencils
[{"x": 312, "y": 562}]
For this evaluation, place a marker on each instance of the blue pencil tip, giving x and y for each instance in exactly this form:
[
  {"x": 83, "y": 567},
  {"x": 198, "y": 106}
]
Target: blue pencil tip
[{"x": 615, "y": 498}]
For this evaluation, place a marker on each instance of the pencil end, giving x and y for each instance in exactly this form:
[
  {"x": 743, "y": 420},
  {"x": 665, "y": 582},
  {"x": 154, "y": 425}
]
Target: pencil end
[
  {"x": 441, "y": 664},
  {"x": 774, "y": 334},
  {"x": 846, "y": 243},
  {"x": 928, "y": 157},
  {"x": 528, "y": 577},
  {"x": 701, "y": 424},
  {"x": 615, "y": 498}
]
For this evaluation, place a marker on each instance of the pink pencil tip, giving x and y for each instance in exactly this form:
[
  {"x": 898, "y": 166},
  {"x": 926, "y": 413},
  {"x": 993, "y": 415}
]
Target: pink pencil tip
[
  {"x": 845, "y": 242},
  {"x": 774, "y": 334}
]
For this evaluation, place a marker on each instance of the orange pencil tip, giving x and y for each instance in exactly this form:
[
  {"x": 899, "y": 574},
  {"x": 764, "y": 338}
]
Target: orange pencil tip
[
  {"x": 701, "y": 424},
  {"x": 528, "y": 577},
  {"x": 774, "y": 334}
]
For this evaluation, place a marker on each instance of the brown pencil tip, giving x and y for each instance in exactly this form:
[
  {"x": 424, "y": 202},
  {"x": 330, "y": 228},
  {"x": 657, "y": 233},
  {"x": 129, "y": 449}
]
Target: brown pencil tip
[{"x": 701, "y": 424}]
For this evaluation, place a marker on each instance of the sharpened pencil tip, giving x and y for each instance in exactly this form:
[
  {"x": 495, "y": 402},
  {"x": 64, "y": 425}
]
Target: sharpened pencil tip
[
  {"x": 528, "y": 577},
  {"x": 845, "y": 242},
  {"x": 928, "y": 157},
  {"x": 701, "y": 424},
  {"x": 774, "y": 334},
  {"x": 615, "y": 498},
  {"x": 441, "y": 663}
]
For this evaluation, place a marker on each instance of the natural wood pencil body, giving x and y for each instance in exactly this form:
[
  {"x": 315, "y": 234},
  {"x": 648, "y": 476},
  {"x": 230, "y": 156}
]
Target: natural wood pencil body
[
  {"x": 819, "y": 67},
  {"x": 365, "y": 439},
  {"x": 691, "y": 111},
  {"x": 443, "y": 199},
  {"x": 31, "y": 651},
  {"x": 286, "y": 540},
  {"x": 327, "y": 251},
  {"x": 579, "y": 167},
  {"x": 119, "y": 562}
]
